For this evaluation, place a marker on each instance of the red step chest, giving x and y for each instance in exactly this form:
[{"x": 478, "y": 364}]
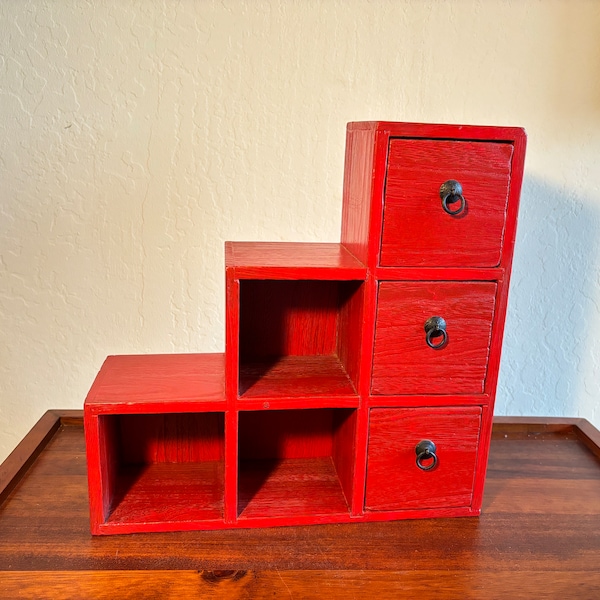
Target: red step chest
[{"x": 359, "y": 378}]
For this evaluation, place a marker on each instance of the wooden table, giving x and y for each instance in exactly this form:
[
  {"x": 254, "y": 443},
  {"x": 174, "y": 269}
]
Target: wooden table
[{"x": 538, "y": 536}]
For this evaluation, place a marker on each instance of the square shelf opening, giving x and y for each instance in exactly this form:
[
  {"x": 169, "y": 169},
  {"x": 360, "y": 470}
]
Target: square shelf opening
[
  {"x": 295, "y": 463},
  {"x": 162, "y": 468},
  {"x": 299, "y": 338}
]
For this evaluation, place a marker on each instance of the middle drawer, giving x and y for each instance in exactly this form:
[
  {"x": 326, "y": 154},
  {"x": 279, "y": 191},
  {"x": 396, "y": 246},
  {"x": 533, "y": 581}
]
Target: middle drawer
[{"x": 432, "y": 337}]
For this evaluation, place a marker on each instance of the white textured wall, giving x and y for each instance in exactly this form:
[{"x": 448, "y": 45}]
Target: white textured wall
[{"x": 136, "y": 137}]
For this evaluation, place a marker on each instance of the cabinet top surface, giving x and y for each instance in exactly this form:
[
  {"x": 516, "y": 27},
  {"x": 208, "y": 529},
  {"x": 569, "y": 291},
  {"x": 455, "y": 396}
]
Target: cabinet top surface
[
  {"x": 152, "y": 378},
  {"x": 479, "y": 132},
  {"x": 294, "y": 260}
]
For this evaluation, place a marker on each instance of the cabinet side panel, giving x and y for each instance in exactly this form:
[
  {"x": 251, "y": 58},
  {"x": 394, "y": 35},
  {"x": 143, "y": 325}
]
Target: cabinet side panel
[
  {"x": 344, "y": 450},
  {"x": 350, "y": 327},
  {"x": 358, "y": 178},
  {"x": 231, "y": 466},
  {"x": 109, "y": 461},
  {"x": 232, "y": 336}
]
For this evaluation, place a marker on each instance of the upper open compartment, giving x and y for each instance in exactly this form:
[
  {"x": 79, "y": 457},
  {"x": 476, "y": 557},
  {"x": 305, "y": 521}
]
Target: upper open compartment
[{"x": 295, "y": 317}]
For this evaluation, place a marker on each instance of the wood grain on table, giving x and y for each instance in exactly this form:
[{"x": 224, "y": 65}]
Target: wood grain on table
[{"x": 538, "y": 536}]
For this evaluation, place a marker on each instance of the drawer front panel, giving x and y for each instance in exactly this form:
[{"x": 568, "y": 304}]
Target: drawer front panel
[
  {"x": 403, "y": 362},
  {"x": 417, "y": 231},
  {"x": 396, "y": 482}
]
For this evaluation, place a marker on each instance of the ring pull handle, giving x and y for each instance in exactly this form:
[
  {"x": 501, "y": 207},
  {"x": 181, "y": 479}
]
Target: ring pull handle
[
  {"x": 435, "y": 327},
  {"x": 451, "y": 192},
  {"x": 427, "y": 459}
]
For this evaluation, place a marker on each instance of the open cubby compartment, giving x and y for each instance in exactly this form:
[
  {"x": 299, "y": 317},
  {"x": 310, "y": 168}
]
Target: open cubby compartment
[
  {"x": 295, "y": 463},
  {"x": 162, "y": 468},
  {"x": 299, "y": 338}
]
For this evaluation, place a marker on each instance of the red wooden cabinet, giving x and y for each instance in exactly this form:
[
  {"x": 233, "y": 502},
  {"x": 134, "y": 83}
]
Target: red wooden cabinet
[{"x": 358, "y": 379}]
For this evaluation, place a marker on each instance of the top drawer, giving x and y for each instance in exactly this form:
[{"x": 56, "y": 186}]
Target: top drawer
[{"x": 417, "y": 230}]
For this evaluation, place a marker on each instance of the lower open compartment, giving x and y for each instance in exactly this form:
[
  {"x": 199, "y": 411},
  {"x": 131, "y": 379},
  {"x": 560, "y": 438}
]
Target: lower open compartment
[
  {"x": 295, "y": 463},
  {"x": 162, "y": 468}
]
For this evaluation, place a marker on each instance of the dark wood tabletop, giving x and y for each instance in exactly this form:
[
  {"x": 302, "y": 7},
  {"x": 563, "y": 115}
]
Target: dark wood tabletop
[{"x": 538, "y": 535}]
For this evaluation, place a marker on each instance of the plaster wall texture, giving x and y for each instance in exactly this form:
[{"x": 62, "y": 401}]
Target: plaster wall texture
[{"x": 137, "y": 136}]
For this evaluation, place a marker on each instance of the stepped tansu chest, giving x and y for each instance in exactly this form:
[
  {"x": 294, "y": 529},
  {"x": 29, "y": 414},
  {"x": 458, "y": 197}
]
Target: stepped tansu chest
[{"x": 358, "y": 379}]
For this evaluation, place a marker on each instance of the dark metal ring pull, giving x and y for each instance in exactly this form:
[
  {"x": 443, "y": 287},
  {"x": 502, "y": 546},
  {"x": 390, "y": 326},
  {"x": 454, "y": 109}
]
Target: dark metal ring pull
[
  {"x": 425, "y": 451},
  {"x": 450, "y": 192},
  {"x": 434, "y": 328}
]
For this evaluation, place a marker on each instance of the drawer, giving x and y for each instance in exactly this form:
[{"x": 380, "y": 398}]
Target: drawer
[
  {"x": 417, "y": 230},
  {"x": 456, "y": 361},
  {"x": 394, "y": 479}
]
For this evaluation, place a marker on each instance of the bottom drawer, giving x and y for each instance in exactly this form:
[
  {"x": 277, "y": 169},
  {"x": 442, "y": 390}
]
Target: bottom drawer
[{"x": 399, "y": 477}]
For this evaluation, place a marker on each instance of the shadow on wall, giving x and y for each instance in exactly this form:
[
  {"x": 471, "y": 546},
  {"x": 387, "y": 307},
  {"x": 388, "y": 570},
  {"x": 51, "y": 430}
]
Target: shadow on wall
[{"x": 553, "y": 307}]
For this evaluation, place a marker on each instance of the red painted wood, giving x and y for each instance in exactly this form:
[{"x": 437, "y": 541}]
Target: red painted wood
[
  {"x": 281, "y": 318},
  {"x": 232, "y": 337},
  {"x": 158, "y": 383},
  {"x": 170, "y": 438},
  {"x": 231, "y": 466},
  {"x": 344, "y": 450},
  {"x": 97, "y": 470},
  {"x": 169, "y": 493},
  {"x": 296, "y": 377},
  {"x": 288, "y": 260},
  {"x": 134, "y": 490},
  {"x": 321, "y": 340},
  {"x": 438, "y": 273},
  {"x": 281, "y": 434},
  {"x": 290, "y": 489},
  {"x": 441, "y": 131},
  {"x": 289, "y": 336},
  {"x": 403, "y": 363},
  {"x": 286, "y": 462},
  {"x": 485, "y": 437},
  {"x": 394, "y": 481},
  {"x": 356, "y": 211},
  {"x": 350, "y": 333},
  {"x": 417, "y": 230}
]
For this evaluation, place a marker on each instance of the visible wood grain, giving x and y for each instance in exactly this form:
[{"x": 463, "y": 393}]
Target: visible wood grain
[
  {"x": 165, "y": 494},
  {"x": 287, "y": 467},
  {"x": 349, "y": 343},
  {"x": 395, "y": 482},
  {"x": 157, "y": 471},
  {"x": 232, "y": 337},
  {"x": 295, "y": 377},
  {"x": 469, "y": 584},
  {"x": 21, "y": 458},
  {"x": 416, "y": 229},
  {"x": 290, "y": 488},
  {"x": 541, "y": 515},
  {"x": 358, "y": 181},
  {"x": 282, "y": 434},
  {"x": 159, "y": 383},
  {"x": 344, "y": 450},
  {"x": 403, "y": 363},
  {"x": 281, "y": 318},
  {"x": 440, "y": 130},
  {"x": 171, "y": 438},
  {"x": 289, "y": 260},
  {"x": 300, "y": 331}
]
